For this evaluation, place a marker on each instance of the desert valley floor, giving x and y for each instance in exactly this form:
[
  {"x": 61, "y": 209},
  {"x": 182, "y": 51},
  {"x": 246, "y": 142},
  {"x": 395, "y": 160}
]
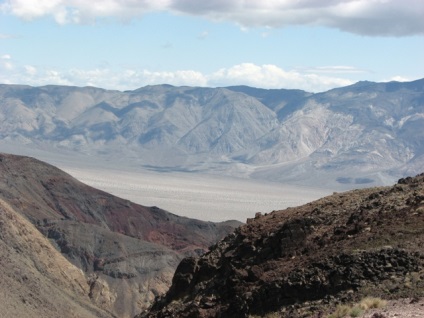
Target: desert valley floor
[
  {"x": 205, "y": 197},
  {"x": 202, "y": 196}
]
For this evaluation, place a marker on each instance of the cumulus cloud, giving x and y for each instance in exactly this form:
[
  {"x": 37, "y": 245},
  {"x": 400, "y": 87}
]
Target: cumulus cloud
[
  {"x": 364, "y": 17},
  {"x": 263, "y": 76},
  {"x": 178, "y": 78},
  {"x": 398, "y": 78},
  {"x": 5, "y": 62},
  {"x": 271, "y": 76}
]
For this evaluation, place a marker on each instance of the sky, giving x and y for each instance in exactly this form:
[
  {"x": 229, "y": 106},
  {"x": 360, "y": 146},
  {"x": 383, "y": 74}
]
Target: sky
[{"x": 314, "y": 45}]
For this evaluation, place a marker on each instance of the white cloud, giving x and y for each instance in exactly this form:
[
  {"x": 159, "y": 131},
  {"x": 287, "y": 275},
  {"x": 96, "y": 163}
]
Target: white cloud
[
  {"x": 79, "y": 11},
  {"x": 336, "y": 69},
  {"x": 4, "y": 36},
  {"x": 263, "y": 76},
  {"x": 365, "y": 17},
  {"x": 203, "y": 35},
  {"x": 7, "y": 66},
  {"x": 30, "y": 70},
  {"x": 398, "y": 78},
  {"x": 271, "y": 76},
  {"x": 5, "y": 62},
  {"x": 178, "y": 78}
]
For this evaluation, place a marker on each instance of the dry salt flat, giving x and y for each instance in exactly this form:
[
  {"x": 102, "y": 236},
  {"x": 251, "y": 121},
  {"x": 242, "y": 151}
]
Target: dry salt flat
[
  {"x": 208, "y": 197},
  {"x": 200, "y": 196}
]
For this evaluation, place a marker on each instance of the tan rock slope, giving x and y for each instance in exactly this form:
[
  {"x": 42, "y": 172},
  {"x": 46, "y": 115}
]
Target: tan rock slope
[
  {"x": 127, "y": 252},
  {"x": 35, "y": 279},
  {"x": 302, "y": 261}
]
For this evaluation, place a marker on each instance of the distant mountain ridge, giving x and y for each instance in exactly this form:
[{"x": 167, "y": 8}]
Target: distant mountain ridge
[{"x": 366, "y": 133}]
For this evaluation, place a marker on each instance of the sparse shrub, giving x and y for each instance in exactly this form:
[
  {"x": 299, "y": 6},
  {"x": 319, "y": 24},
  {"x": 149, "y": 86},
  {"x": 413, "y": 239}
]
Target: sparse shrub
[
  {"x": 408, "y": 285},
  {"x": 372, "y": 302},
  {"x": 356, "y": 312},
  {"x": 340, "y": 312},
  {"x": 420, "y": 210}
]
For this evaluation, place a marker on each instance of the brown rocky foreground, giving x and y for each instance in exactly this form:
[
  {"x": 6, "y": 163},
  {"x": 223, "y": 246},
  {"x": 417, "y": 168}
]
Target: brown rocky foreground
[{"x": 302, "y": 262}]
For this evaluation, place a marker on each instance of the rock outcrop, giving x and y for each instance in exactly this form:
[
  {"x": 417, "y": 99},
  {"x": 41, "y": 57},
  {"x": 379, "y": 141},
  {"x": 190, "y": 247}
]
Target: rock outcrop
[
  {"x": 302, "y": 261},
  {"x": 127, "y": 251}
]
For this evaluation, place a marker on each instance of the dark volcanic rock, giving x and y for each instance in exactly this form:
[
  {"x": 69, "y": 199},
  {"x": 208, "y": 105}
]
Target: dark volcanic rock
[
  {"x": 304, "y": 260},
  {"x": 129, "y": 251}
]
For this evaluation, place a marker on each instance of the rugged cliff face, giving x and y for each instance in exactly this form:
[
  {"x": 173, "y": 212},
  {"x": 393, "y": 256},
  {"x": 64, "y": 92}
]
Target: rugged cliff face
[
  {"x": 128, "y": 252},
  {"x": 301, "y": 261}
]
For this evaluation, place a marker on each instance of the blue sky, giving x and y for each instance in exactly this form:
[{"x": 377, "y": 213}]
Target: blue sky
[{"x": 126, "y": 44}]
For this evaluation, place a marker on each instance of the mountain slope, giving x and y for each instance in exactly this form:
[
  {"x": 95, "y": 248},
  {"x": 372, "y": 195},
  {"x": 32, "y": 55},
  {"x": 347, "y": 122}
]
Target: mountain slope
[
  {"x": 281, "y": 101},
  {"x": 301, "y": 261},
  {"x": 366, "y": 133},
  {"x": 128, "y": 251},
  {"x": 349, "y": 132},
  {"x": 36, "y": 280}
]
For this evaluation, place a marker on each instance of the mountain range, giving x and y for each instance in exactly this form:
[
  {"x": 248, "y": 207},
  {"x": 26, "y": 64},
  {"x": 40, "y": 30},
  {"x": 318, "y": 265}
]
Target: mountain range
[{"x": 355, "y": 136}]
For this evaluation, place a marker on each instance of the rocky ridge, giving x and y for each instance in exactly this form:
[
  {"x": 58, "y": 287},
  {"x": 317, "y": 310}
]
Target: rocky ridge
[
  {"x": 128, "y": 252},
  {"x": 301, "y": 262}
]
